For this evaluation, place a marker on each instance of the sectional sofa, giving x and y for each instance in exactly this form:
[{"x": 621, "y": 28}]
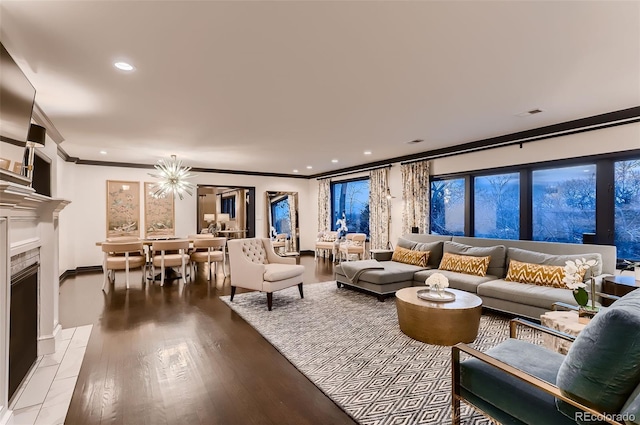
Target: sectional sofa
[{"x": 522, "y": 299}]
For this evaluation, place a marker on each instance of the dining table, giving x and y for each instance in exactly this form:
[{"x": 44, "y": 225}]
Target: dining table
[{"x": 170, "y": 273}]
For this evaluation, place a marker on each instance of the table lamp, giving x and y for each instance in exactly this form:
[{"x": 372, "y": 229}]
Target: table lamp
[{"x": 223, "y": 218}]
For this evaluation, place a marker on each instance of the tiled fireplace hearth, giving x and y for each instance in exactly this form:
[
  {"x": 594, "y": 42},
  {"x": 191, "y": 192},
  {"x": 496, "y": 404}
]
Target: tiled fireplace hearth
[{"x": 28, "y": 242}]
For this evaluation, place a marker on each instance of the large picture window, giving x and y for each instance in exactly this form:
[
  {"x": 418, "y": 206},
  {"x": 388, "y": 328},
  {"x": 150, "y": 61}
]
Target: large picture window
[
  {"x": 564, "y": 203},
  {"x": 497, "y": 206},
  {"x": 627, "y": 209},
  {"x": 447, "y": 207},
  {"x": 537, "y": 202},
  {"x": 351, "y": 198}
]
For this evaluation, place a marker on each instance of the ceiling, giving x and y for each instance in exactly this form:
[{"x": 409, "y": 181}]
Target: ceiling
[{"x": 277, "y": 86}]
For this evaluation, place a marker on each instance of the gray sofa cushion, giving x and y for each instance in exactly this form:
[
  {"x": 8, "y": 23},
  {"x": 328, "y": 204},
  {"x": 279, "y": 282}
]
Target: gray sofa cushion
[
  {"x": 406, "y": 243},
  {"x": 435, "y": 252},
  {"x": 464, "y": 282},
  {"x": 497, "y": 253},
  {"x": 534, "y": 257},
  {"x": 393, "y": 272},
  {"x": 504, "y": 393},
  {"x": 525, "y": 293},
  {"x": 601, "y": 367}
]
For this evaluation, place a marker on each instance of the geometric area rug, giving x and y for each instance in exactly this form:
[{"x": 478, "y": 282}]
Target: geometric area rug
[{"x": 350, "y": 346}]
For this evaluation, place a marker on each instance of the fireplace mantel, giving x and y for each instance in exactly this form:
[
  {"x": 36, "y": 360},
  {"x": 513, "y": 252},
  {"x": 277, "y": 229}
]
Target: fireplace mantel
[{"x": 28, "y": 221}]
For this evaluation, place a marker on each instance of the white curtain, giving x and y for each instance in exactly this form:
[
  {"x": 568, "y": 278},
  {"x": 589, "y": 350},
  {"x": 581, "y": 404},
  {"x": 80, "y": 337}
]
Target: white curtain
[
  {"x": 379, "y": 208},
  {"x": 324, "y": 205},
  {"x": 293, "y": 221},
  {"x": 415, "y": 194}
]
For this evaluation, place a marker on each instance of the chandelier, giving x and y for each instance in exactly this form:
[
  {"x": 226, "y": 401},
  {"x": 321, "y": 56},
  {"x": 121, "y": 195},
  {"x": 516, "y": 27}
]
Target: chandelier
[{"x": 172, "y": 177}]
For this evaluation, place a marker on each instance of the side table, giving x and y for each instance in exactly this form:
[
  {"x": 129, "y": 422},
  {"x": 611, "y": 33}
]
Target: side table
[
  {"x": 291, "y": 254},
  {"x": 563, "y": 321},
  {"x": 380, "y": 254},
  {"x": 618, "y": 286}
]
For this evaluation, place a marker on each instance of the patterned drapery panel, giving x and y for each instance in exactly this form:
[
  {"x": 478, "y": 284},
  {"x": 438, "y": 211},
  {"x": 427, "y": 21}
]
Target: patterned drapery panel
[
  {"x": 324, "y": 205},
  {"x": 415, "y": 194},
  {"x": 378, "y": 208},
  {"x": 293, "y": 218}
]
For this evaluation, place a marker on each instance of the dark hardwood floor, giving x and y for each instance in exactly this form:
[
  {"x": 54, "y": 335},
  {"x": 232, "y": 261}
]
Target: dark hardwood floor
[{"x": 178, "y": 355}]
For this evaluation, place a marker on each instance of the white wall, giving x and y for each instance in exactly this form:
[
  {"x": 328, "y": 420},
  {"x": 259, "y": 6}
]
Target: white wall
[
  {"x": 83, "y": 222},
  {"x": 613, "y": 139}
]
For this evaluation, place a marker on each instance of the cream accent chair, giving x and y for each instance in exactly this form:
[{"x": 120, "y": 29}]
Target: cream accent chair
[
  {"x": 280, "y": 243},
  {"x": 172, "y": 253},
  {"x": 354, "y": 245},
  {"x": 326, "y": 242},
  {"x": 255, "y": 265},
  {"x": 209, "y": 250},
  {"x": 122, "y": 256}
]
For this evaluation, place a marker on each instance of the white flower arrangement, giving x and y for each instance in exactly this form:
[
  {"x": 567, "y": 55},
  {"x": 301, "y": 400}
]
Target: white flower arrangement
[
  {"x": 342, "y": 223},
  {"x": 437, "y": 281},
  {"x": 574, "y": 272}
]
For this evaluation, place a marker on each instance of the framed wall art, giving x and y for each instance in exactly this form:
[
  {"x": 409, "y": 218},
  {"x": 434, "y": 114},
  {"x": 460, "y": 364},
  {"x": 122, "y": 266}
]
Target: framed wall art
[
  {"x": 123, "y": 208},
  {"x": 159, "y": 213}
]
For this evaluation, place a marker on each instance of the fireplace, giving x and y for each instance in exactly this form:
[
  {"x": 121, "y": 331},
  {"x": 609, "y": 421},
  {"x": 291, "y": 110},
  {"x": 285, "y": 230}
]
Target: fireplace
[{"x": 23, "y": 329}]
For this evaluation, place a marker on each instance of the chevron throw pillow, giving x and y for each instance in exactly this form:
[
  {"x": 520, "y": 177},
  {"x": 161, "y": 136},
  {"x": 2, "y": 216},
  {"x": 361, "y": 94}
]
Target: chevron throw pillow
[
  {"x": 467, "y": 264},
  {"x": 536, "y": 274}
]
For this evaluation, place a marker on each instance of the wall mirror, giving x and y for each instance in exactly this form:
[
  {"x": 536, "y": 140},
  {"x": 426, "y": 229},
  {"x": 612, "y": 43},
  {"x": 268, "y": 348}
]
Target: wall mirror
[
  {"x": 282, "y": 217},
  {"x": 228, "y": 211}
]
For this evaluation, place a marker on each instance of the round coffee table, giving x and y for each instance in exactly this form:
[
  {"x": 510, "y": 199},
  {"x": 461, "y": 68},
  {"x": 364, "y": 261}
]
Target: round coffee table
[{"x": 439, "y": 323}]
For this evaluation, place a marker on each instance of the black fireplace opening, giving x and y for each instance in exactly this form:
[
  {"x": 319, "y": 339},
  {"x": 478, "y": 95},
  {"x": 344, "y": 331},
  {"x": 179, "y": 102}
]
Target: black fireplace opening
[{"x": 23, "y": 325}]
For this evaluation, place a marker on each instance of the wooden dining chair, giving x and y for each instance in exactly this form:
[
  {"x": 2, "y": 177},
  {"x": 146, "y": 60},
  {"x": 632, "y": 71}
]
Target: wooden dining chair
[
  {"x": 171, "y": 253},
  {"x": 210, "y": 251},
  {"x": 122, "y": 256}
]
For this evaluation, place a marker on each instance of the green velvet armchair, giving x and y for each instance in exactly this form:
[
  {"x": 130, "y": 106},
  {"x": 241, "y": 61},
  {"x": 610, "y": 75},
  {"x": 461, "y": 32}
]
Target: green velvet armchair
[{"x": 597, "y": 382}]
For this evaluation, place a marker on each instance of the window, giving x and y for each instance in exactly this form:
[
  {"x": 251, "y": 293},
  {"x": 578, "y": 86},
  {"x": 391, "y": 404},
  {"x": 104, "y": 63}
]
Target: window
[
  {"x": 228, "y": 206},
  {"x": 564, "y": 203},
  {"x": 627, "y": 208},
  {"x": 497, "y": 206},
  {"x": 351, "y": 198},
  {"x": 447, "y": 207},
  {"x": 280, "y": 214}
]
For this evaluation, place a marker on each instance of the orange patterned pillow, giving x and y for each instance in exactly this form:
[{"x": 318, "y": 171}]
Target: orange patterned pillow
[
  {"x": 536, "y": 274},
  {"x": 409, "y": 256},
  {"x": 467, "y": 264}
]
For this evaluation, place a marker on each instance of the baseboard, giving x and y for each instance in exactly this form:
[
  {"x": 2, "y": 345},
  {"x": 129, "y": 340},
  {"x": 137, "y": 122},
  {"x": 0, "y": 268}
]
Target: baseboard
[
  {"x": 47, "y": 343},
  {"x": 5, "y": 414},
  {"x": 72, "y": 272}
]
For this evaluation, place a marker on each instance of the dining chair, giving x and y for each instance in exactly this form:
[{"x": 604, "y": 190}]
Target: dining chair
[
  {"x": 326, "y": 244},
  {"x": 280, "y": 243},
  {"x": 354, "y": 245},
  {"x": 171, "y": 253},
  {"x": 122, "y": 256},
  {"x": 209, "y": 250}
]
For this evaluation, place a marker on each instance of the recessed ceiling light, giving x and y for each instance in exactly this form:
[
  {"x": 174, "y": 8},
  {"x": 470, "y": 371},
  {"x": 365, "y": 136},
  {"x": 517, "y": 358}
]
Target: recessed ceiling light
[
  {"x": 334, "y": 160},
  {"x": 367, "y": 152},
  {"x": 124, "y": 66},
  {"x": 309, "y": 167},
  {"x": 103, "y": 152},
  {"x": 295, "y": 171}
]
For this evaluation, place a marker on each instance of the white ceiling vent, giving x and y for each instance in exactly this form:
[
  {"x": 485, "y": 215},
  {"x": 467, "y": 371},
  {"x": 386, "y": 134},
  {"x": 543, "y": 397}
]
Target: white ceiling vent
[{"x": 529, "y": 113}]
